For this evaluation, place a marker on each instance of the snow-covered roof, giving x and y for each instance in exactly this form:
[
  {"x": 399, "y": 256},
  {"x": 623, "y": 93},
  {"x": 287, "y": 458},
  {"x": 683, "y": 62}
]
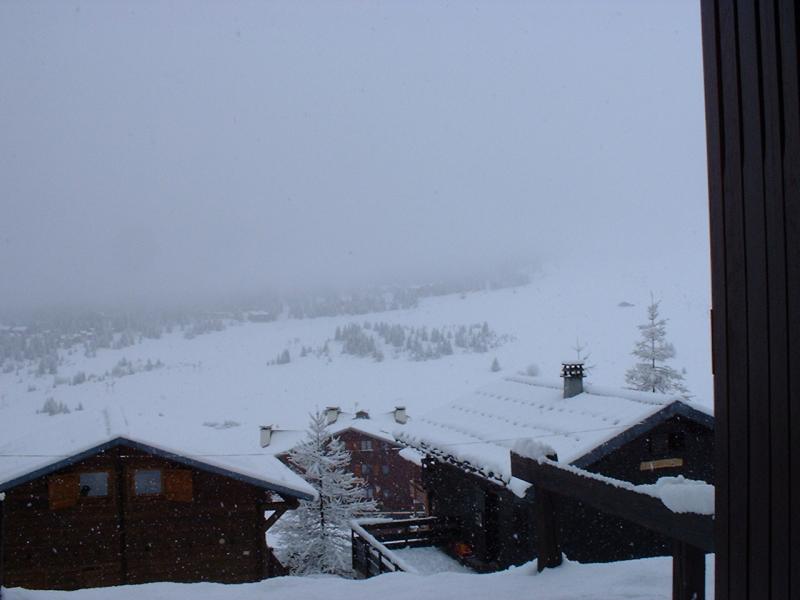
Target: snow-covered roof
[
  {"x": 62, "y": 440},
  {"x": 378, "y": 425},
  {"x": 480, "y": 428}
]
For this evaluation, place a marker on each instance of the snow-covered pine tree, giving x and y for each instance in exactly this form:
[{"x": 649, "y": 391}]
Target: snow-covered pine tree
[
  {"x": 651, "y": 373},
  {"x": 495, "y": 365},
  {"x": 316, "y": 536}
]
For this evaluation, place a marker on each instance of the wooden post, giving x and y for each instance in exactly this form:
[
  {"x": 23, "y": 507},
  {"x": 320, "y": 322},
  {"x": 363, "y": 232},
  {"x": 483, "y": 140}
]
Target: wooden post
[
  {"x": 688, "y": 572},
  {"x": 545, "y": 518}
]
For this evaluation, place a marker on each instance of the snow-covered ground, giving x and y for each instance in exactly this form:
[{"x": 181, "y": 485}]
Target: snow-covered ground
[
  {"x": 219, "y": 385},
  {"x": 648, "y": 579},
  {"x": 428, "y": 560}
]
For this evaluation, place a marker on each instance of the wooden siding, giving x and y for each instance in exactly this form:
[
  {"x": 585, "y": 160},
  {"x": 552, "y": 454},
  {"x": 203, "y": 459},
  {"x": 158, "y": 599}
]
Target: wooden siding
[
  {"x": 753, "y": 131},
  {"x": 396, "y": 483},
  {"x": 216, "y": 535},
  {"x": 494, "y": 523},
  {"x": 390, "y": 475}
]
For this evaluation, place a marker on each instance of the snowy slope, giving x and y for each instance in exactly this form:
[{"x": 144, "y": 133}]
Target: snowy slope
[{"x": 216, "y": 389}]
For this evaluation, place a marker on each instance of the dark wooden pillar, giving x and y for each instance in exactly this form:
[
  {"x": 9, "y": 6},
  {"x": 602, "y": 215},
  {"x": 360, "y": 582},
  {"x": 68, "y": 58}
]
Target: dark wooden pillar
[
  {"x": 688, "y": 572},
  {"x": 750, "y": 52},
  {"x": 548, "y": 547}
]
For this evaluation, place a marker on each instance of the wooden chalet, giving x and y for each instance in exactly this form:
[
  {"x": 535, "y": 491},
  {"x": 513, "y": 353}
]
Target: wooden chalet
[
  {"x": 632, "y": 436},
  {"x": 393, "y": 481},
  {"x": 125, "y": 511}
]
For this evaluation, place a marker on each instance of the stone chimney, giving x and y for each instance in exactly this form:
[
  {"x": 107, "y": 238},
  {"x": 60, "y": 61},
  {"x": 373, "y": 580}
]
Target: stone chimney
[
  {"x": 400, "y": 415},
  {"x": 572, "y": 372},
  {"x": 266, "y": 435},
  {"x": 332, "y": 414}
]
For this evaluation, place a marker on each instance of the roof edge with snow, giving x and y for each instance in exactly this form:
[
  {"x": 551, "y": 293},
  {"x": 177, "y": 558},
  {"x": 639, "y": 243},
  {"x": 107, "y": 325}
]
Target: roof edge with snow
[
  {"x": 173, "y": 455},
  {"x": 674, "y": 408}
]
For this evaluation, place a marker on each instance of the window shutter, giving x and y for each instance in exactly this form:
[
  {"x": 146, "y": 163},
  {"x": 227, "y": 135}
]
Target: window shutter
[
  {"x": 63, "y": 490},
  {"x": 178, "y": 485}
]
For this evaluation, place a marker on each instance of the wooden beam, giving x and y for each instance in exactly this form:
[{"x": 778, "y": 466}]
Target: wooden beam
[
  {"x": 688, "y": 572},
  {"x": 273, "y": 518},
  {"x": 644, "y": 510},
  {"x": 547, "y": 542}
]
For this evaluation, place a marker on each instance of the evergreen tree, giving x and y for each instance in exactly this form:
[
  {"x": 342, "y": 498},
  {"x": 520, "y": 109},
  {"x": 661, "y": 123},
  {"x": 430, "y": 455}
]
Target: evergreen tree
[
  {"x": 317, "y": 535},
  {"x": 651, "y": 373},
  {"x": 495, "y": 365}
]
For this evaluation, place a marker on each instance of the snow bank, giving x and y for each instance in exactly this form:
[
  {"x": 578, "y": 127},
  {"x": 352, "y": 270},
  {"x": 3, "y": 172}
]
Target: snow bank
[{"x": 647, "y": 579}]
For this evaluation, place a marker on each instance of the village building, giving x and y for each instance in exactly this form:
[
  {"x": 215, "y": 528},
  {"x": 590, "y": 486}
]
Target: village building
[
  {"x": 78, "y": 513},
  {"x": 487, "y": 513},
  {"x": 391, "y": 479}
]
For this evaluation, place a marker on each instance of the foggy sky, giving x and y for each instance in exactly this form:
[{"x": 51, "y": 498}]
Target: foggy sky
[{"x": 165, "y": 150}]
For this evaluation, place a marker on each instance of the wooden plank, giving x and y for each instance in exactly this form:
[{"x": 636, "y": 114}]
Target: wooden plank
[
  {"x": 758, "y": 343},
  {"x": 641, "y": 509},
  {"x": 547, "y": 543},
  {"x": 787, "y": 15},
  {"x": 714, "y": 142},
  {"x": 736, "y": 306},
  {"x": 779, "y": 365}
]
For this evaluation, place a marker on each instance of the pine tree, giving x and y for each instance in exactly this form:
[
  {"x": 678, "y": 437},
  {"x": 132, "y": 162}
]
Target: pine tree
[
  {"x": 317, "y": 535},
  {"x": 651, "y": 373},
  {"x": 495, "y": 365}
]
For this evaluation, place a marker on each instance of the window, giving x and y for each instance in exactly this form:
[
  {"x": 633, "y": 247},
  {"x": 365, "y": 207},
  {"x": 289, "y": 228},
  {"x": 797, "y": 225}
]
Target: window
[
  {"x": 366, "y": 469},
  {"x": 93, "y": 485},
  {"x": 147, "y": 482},
  {"x": 368, "y": 492},
  {"x": 385, "y": 469},
  {"x": 366, "y": 445}
]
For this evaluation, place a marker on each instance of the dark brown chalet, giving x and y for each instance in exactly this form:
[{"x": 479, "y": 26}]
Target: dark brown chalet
[
  {"x": 633, "y": 436},
  {"x": 394, "y": 482},
  {"x": 126, "y": 512}
]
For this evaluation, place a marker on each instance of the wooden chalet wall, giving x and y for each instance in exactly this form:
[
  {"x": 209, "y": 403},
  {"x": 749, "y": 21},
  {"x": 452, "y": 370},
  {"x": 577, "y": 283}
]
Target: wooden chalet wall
[
  {"x": 753, "y": 130},
  {"x": 492, "y": 521},
  {"x": 212, "y": 528},
  {"x": 391, "y": 477},
  {"x": 676, "y": 438},
  {"x": 396, "y": 483}
]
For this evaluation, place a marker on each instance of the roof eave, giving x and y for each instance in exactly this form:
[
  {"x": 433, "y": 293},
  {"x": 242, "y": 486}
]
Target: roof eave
[{"x": 156, "y": 451}]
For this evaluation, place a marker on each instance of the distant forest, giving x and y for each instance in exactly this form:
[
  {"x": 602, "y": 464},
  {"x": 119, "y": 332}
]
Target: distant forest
[{"x": 38, "y": 337}]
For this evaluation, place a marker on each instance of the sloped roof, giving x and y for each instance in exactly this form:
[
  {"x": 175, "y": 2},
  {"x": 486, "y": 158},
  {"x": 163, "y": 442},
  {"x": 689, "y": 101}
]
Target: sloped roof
[
  {"x": 378, "y": 425},
  {"x": 480, "y": 428},
  {"x": 63, "y": 440}
]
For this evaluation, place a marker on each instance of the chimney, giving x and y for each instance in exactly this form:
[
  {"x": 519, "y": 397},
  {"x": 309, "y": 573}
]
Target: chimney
[
  {"x": 266, "y": 435},
  {"x": 572, "y": 372},
  {"x": 400, "y": 415},
  {"x": 332, "y": 414}
]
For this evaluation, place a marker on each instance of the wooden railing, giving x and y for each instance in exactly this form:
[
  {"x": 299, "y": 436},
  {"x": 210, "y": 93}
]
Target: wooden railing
[
  {"x": 373, "y": 543},
  {"x": 692, "y": 534}
]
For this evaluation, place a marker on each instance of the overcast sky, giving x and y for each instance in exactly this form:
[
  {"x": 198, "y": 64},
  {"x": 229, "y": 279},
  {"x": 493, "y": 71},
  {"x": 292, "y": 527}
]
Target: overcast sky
[{"x": 162, "y": 150}]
